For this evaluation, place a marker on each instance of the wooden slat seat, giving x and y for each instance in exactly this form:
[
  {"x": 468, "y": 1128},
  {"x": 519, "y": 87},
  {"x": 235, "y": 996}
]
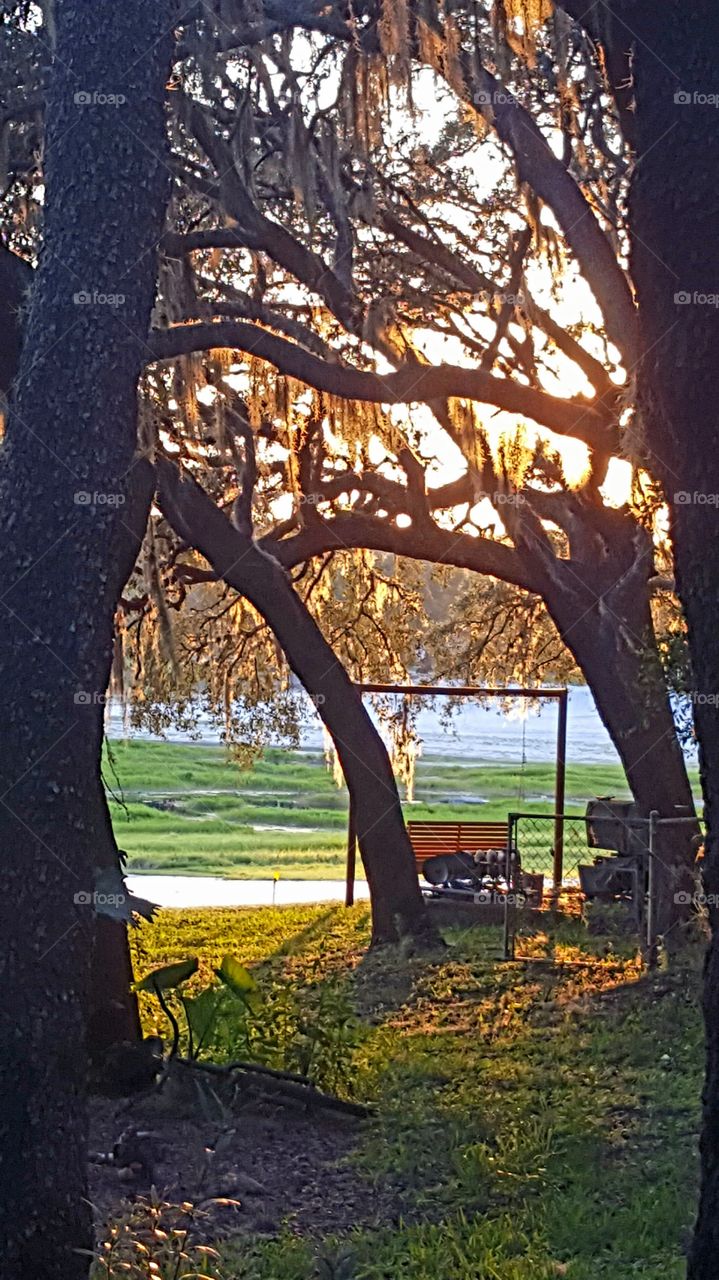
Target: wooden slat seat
[{"x": 431, "y": 839}]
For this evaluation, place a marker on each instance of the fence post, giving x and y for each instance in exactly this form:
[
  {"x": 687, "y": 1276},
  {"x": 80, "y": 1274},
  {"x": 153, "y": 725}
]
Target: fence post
[
  {"x": 559, "y": 793},
  {"x": 652, "y": 892},
  {"x": 351, "y": 858},
  {"x": 511, "y": 846}
]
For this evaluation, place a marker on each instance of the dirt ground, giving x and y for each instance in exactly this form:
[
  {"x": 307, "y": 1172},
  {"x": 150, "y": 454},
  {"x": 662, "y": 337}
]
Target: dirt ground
[{"x": 284, "y": 1165}]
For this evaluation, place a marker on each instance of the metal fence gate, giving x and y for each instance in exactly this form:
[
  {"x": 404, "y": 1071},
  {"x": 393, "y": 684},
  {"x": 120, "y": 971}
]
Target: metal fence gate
[{"x": 551, "y": 848}]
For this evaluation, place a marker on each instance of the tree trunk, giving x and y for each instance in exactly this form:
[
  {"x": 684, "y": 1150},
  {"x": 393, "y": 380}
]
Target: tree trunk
[
  {"x": 675, "y": 267},
  {"x": 114, "y": 1014},
  {"x": 64, "y": 470},
  {"x": 397, "y": 903},
  {"x": 620, "y": 662}
]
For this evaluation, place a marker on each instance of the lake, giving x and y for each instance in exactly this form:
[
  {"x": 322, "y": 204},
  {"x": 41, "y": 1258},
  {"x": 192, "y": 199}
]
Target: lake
[{"x": 477, "y": 732}]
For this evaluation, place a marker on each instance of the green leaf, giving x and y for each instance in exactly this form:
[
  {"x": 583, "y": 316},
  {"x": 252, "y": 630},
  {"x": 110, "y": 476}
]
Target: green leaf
[
  {"x": 201, "y": 1013},
  {"x": 169, "y": 975},
  {"x": 237, "y": 978}
]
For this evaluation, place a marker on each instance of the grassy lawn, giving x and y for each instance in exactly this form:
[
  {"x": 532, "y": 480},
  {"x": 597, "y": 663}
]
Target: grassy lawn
[
  {"x": 535, "y": 1120},
  {"x": 188, "y": 809}
]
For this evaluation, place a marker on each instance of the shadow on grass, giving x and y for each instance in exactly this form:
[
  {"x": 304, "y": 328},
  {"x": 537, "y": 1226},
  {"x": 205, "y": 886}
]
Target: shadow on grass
[{"x": 535, "y": 1120}]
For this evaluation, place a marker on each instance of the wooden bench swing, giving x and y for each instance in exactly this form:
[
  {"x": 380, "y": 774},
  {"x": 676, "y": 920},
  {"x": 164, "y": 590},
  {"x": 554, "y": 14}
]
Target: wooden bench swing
[
  {"x": 430, "y": 839},
  {"x": 433, "y": 839}
]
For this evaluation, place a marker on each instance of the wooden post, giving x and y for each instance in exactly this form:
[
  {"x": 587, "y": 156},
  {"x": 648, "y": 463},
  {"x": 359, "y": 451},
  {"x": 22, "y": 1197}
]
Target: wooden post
[
  {"x": 351, "y": 858},
  {"x": 559, "y": 791}
]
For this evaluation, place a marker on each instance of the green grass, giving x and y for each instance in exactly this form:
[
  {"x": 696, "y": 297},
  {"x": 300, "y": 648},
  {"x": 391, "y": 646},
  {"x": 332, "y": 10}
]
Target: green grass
[
  {"x": 214, "y": 818},
  {"x": 536, "y": 1120}
]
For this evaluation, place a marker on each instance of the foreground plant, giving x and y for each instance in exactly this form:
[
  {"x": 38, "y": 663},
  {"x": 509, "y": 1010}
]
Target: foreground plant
[
  {"x": 307, "y": 1037},
  {"x": 153, "y": 1238}
]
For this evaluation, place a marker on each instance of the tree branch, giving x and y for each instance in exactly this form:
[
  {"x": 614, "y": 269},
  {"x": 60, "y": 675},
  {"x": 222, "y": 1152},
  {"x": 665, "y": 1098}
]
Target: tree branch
[
  {"x": 261, "y": 232},
  {"x": 546, "y": 175},
  {"x": 427, "y": 542},
  {"x": 412, "y": 384}
]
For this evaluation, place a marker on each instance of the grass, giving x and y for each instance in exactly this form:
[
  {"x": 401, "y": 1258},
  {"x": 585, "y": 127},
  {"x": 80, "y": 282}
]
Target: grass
[
  {"x": 536, "y": 1120},
  {"x": 187, "y": 809}
]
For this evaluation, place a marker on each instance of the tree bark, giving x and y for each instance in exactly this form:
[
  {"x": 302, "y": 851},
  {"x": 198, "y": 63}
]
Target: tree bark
[
  {"x": 616, "y": 651},
  {"x": 114, "y": 1014},
  {"x": 617, "y": 654},
  {"x": 113, "y": 1010},
  {"x": 15, "y": 280},
  {"x": 64, "y": 470},
  {"x": 397, "y": 904},
  {"x": 675, "y": 268}
]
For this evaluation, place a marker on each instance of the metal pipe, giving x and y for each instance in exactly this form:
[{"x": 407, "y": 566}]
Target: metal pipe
[
  {"x": 461, "y": 691},
  {"x": 651, "y": 891},
  {"x": 559, "y": 792},
  {"x": 508, "y": 947}
]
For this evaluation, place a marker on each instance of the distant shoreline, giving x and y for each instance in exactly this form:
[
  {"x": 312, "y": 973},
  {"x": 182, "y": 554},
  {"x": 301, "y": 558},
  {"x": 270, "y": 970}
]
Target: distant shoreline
[{"x": 188, "y": 810}]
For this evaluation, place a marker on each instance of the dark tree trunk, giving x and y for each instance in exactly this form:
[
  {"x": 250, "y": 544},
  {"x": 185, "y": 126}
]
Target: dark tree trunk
[
  {"x": 114, "y": 1014},
  {"x": 396, "y": 900},
  {"x": 612, "y": 639},
  {"x": 675, "y": 267},
  {"x": 113, "y": 1011},
  {"x": 64, "y": 471},
  {"x": 619, "y": 660},
  {"x": 16, "y": 277}
]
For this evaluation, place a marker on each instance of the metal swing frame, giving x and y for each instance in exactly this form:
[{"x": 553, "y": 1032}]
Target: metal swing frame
[{"x": 560, "y": 696}]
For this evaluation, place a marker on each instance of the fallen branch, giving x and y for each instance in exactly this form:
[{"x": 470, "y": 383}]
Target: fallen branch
[{"x": 281, "y": 1085}]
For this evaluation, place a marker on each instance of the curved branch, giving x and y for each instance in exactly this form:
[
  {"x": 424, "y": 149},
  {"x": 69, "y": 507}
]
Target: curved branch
[
  {"x": 425, "y": 542},
  {"x": 412, "y": 384}
]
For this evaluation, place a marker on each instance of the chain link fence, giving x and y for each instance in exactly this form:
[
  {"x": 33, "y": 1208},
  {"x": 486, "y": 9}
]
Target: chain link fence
[{"x": 613, "y": 869}]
